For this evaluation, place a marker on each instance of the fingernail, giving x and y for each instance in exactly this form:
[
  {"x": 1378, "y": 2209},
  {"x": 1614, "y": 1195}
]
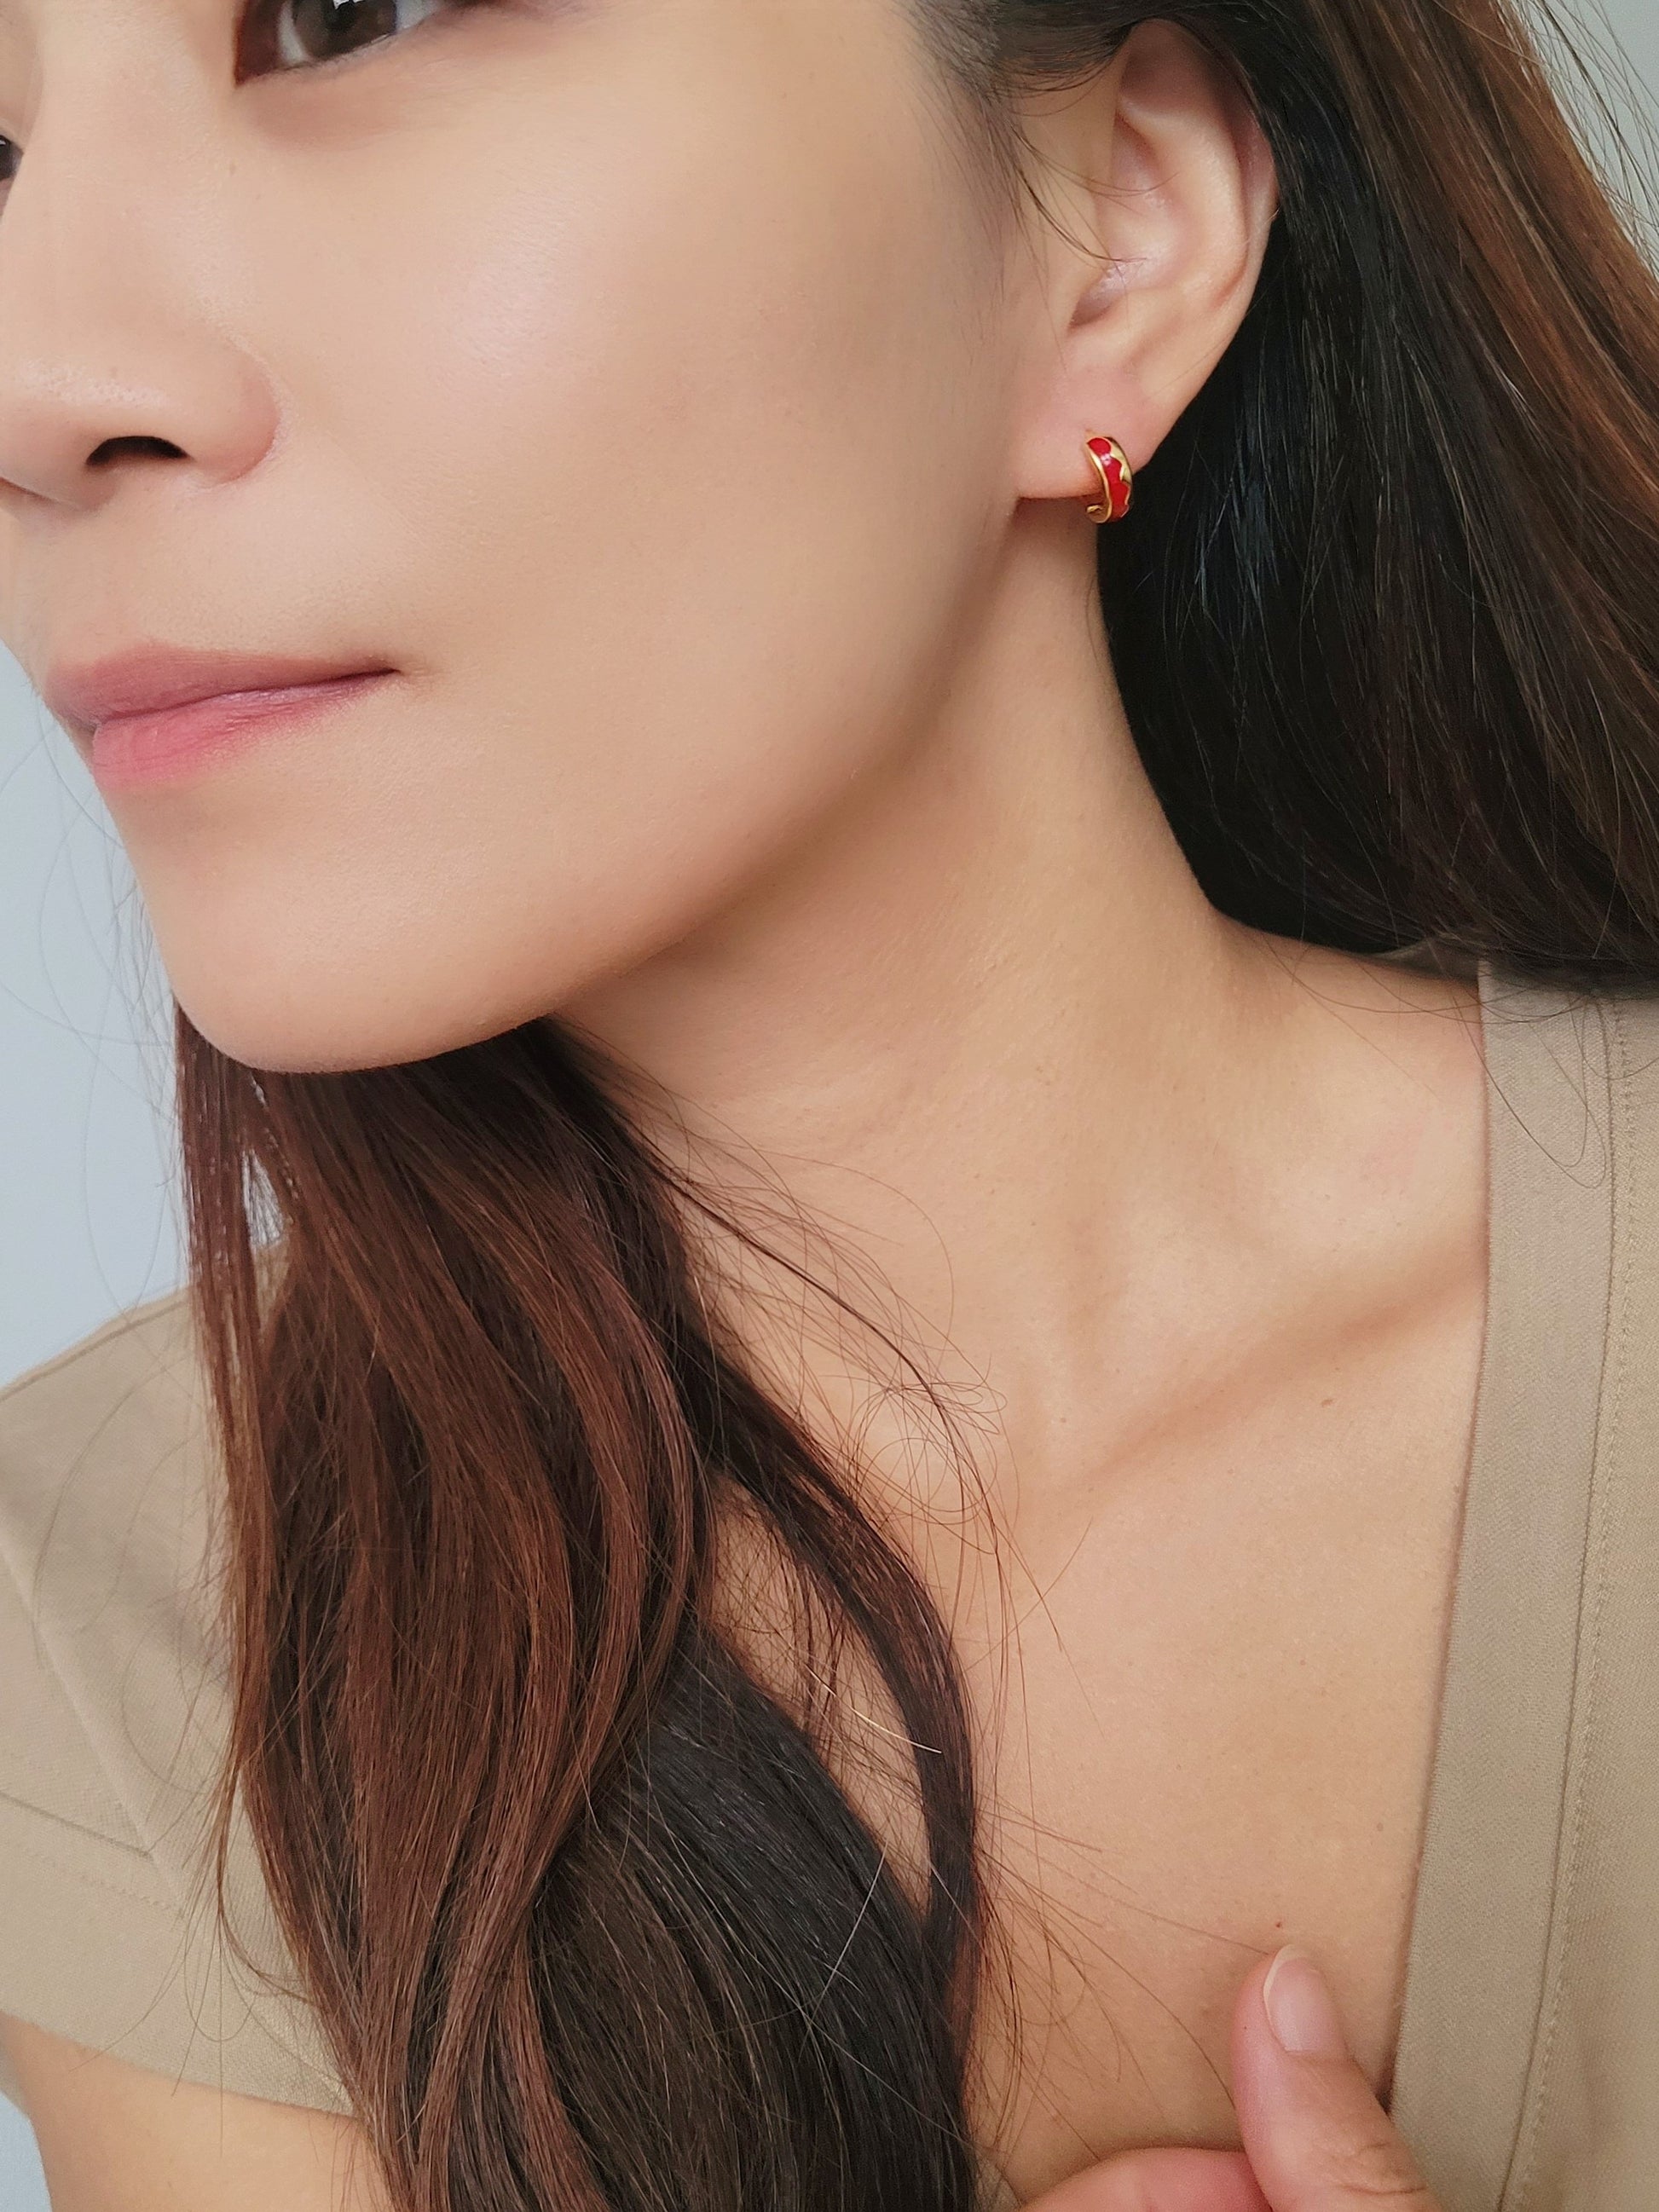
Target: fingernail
[{"x": 1299, "y": 2008}]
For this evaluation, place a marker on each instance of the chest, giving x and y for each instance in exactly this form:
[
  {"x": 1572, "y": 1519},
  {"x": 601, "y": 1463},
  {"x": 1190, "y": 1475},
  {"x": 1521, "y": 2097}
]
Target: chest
[{"x": 1214, "y": 1714}]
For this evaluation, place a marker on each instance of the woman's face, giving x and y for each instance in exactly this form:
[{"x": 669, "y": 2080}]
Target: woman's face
[{"x": 618, "y": 373}]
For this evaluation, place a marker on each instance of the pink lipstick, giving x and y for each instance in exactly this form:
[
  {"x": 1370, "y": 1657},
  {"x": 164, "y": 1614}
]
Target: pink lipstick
[
  {"x": 158, "y": 712},
  {"x": 169, "y": 743}
]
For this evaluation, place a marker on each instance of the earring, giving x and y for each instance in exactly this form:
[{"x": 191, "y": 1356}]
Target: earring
[{"x": 1116, "y": 480}]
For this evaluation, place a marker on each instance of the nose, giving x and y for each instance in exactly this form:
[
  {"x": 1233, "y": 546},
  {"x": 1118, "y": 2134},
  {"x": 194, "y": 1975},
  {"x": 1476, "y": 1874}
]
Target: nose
[{"x": 117, "y": 303}]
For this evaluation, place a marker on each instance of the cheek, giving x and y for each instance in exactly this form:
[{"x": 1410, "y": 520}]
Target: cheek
[{"x": 644, "y": 479}]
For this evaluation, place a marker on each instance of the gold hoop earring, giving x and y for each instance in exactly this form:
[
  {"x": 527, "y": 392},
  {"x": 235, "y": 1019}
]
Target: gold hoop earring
[{"x": 1116, "y": 480}]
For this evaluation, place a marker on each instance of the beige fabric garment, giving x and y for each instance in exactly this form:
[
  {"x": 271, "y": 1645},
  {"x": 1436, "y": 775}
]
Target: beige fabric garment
[{"x": 1528, "y": 2075}]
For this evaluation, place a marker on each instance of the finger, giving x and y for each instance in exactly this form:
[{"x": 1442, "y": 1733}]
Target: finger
[
  {"x": 1159, "y": 2181},
  {"x": 1316, "y": 2137}
]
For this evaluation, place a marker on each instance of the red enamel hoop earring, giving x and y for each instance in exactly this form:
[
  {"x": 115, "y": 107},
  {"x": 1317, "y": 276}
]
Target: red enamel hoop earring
[{"x": 1116, "y": 480}]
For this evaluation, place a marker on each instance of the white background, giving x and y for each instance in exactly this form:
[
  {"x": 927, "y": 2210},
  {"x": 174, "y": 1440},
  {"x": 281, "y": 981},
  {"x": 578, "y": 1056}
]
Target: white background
[{"x": 88, "y": 1223}]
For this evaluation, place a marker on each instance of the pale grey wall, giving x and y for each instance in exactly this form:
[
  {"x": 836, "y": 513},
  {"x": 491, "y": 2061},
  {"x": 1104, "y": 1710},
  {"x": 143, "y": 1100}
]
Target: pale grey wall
[
  {"x": 84, "y": 1063},
  {"x": 1638, "y": 27},
  {"x": 86, "y": 1222}
]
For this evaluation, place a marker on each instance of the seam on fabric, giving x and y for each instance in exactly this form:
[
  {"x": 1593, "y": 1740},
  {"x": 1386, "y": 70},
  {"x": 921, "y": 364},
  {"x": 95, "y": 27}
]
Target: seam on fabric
[
  {"x": 166, "y": 1902},
  {"x": 26, "y": 1591},
  {"x": 194, "y": 2002},
  {"x": 1585, "y": 1710},
  {"x": 38, "y": 1812},
  {"x": 45, "y": 1659}
]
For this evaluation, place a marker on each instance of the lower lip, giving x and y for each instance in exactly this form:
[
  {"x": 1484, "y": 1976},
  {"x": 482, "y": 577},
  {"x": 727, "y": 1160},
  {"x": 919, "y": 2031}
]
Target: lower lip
[{"x": 127, "y": 750}]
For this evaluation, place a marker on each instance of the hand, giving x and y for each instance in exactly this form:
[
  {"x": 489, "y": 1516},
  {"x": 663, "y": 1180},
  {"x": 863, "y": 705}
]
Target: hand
[{"x": 1315, "y": 2139}]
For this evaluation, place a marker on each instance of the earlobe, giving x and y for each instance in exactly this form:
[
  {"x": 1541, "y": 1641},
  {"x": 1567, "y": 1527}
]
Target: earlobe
[{"x": 1176, "y": 183}]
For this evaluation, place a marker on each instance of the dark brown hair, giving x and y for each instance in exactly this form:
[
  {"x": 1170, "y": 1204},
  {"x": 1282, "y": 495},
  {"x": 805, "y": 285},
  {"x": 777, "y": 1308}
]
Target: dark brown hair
[{"x": 587, "y": 1913}]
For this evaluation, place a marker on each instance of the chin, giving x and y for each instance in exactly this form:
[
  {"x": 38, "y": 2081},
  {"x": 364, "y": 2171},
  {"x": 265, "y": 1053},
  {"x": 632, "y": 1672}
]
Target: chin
[{"x": 328, "y": 1021}]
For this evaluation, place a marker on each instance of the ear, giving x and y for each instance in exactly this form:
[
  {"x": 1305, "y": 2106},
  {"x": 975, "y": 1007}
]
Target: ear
[{"x": 1162, "y": 190}]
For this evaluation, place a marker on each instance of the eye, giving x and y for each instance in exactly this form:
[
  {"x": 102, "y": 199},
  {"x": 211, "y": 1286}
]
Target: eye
[{"x": 286, "y": 34}]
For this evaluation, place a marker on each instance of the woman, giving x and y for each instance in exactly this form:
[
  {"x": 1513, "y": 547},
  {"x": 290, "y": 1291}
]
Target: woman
[{"x": 919, "y": 916}]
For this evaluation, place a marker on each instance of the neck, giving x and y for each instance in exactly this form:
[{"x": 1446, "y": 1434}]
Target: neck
[{"x": 984, "y": 1026}]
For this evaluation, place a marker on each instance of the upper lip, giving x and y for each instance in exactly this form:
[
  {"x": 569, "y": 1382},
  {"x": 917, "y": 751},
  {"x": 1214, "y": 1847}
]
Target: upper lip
[{"x": 150, "y": 678}]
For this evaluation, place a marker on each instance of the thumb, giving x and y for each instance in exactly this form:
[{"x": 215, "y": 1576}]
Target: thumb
[
  {"x": 1316, "y": 2137},
  {"x": 1162, "y": 2181}
]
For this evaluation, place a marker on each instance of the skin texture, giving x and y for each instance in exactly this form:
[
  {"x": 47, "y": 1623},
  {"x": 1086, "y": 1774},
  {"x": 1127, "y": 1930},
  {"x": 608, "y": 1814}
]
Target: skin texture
[
  {"x": 1315, "y": 2139},
  {"x": 654, "y": 388}
]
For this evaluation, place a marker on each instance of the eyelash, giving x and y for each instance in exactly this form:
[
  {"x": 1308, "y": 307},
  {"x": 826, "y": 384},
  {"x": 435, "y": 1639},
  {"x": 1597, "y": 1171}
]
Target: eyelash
[
  {"x": 269, "y": 56},
  {"x": 268, "y": 49}
]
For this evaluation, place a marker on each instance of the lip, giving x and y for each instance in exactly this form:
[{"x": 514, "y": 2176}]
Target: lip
[
  {"x": 149, "y": 679},
  {"x": 166, "y": 744},
  {"x": 159, "y": 710}
]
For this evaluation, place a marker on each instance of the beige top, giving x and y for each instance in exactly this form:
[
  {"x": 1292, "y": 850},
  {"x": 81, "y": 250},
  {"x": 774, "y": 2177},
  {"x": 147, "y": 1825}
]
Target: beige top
[{"x": 1527, "y": 2070}]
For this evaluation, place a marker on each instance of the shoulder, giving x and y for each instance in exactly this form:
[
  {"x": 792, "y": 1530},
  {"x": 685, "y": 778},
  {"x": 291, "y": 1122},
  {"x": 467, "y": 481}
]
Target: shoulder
[
  {"x": 1633, "y": 1013},
  {"x": 107, "y": 1608},
  {"x": 139, "y": 1364},
  {"x": 1592, "y": 1048},
  {"x": 104, "y": 1528},
  {"x": 104, "y": 1493},
  {"x": 114, "y": 1725}
]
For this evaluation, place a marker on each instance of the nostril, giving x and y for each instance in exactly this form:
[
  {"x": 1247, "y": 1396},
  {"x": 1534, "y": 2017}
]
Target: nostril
[{"x": 111, "y": 446}]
